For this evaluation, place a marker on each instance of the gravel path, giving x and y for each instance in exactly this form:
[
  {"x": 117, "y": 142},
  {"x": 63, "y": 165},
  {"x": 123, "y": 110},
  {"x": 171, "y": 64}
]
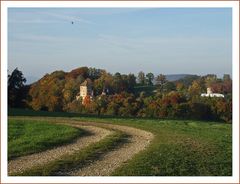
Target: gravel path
[
  {"x": 137, "y": 141},
  {"x": 25, "y": 162}
]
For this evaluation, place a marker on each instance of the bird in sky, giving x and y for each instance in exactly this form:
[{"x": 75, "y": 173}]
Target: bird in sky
[{"x": 72, "y": 22}]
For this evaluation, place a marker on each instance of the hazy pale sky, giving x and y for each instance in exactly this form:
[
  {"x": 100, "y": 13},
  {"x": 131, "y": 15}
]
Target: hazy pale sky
[{"x": 125, "y": 40}]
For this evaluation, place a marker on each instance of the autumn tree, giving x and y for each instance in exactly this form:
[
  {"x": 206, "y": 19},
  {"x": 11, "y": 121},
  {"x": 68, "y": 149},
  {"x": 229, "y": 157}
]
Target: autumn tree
[
  {"x": 83, "y": 71},
  {"x": 179, "y": 99},
  {"x": 75, "y": 106},
  {"x": 71, "y": 88},
  {"x": 194, "y": 89},
  {"x": 180, "y": 87},
  {"x": 210, "y": 79},
  {"x": 47, "y": 93}
]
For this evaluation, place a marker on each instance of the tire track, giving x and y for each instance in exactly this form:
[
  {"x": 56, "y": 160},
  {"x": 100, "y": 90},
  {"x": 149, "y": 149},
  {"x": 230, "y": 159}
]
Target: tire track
[{"x": 137, "y": 141}]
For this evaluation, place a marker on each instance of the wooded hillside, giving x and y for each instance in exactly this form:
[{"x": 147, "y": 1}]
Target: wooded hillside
[{"x": 127, "y": 95}]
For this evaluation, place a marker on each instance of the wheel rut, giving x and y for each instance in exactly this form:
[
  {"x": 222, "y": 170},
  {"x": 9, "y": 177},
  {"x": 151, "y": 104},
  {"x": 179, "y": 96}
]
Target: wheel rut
[{"x": 137, "y": 141}]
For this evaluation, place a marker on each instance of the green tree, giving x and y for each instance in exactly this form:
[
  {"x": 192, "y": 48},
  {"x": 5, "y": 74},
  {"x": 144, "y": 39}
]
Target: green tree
[
  {"x": 226, "y": 77},
  {"x": 101, "y": 104},
  {"x": 141, "y": 78},
  {"x": 94, "y": 73},
  {"x": 16, "y": 82},
  {"x": 149, "y": 78},
  {"x": 131, "y": 82},
  {"x": 160, "y": 81},
  {"x": 169, "y": 86},
  {"x": 117, "y": 82},
  {"x": 200, "y": 111},
  {"x": 187, "y": 80}
]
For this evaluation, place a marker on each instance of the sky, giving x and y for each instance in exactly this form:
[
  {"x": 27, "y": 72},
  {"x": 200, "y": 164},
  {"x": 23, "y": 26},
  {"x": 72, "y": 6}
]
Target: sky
[{"x": 126, "y": 40}]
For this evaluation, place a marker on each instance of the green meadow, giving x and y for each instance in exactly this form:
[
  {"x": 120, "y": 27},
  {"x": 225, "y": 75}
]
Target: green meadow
[
  {"x": 180, "y": 148},
  {"x": 29, "y": 136}
]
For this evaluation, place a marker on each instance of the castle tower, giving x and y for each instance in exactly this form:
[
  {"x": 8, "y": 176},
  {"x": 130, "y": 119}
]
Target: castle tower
[
  {"x": 86, "y": 89},
  {"x": 209, "y": 91}
]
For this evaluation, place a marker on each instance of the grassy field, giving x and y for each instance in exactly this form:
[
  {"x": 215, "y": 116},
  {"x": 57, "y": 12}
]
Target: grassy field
[
  {"x": 180, "y": 147},
  {"x": 28, "y": 136}
]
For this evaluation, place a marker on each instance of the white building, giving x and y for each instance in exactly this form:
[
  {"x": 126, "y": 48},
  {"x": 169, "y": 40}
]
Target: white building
[{"x": 211, "y": 94}]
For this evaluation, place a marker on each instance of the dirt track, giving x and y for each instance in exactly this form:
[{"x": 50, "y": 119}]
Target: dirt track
[
  {"x": 138, "y": 140},
  {"x": 25, "y": 162}
]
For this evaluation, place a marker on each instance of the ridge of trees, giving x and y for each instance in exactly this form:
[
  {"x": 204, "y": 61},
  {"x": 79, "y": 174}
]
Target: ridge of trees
[{"x": 125, "y": 94}]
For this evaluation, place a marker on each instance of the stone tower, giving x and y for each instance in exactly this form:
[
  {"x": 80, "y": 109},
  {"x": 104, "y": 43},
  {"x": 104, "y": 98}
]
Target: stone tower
[
  {"x": 85, "y": 89},
  {"x": 209, "y": 91}
]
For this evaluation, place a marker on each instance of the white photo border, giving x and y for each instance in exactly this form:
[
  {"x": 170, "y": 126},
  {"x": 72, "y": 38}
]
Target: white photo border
[{"x": 122, "y": 4}]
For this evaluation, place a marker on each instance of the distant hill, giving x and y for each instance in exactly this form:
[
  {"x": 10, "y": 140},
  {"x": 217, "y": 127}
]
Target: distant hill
[{"x": 174, "y": 77}]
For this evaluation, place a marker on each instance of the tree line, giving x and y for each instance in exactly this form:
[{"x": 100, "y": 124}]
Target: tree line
[{"x": 127, "y": 95}]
